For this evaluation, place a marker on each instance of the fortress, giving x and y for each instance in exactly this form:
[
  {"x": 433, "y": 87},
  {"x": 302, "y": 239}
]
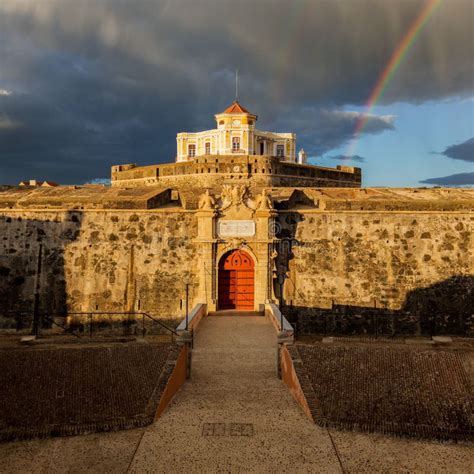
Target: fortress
[
  {"x": 236, "y": 152},
  {"x": 240, "y": 225},
  {"x": 243, "y": 220}
]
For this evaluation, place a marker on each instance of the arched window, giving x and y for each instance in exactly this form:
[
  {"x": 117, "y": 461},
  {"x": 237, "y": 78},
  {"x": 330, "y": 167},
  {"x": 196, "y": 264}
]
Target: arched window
[
  {"x": 208, "y": 148},
  {"x": 192, "y": 150}
]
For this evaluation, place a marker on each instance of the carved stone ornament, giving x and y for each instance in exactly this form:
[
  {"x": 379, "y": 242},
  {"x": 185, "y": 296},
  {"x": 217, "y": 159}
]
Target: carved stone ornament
[
  {"x": 235, "y": 202},
  {"x": 274, "y": 260},
  {"x": 206, "y": 201},
  {"x": 233, "y": 196},
  {"x": 236, "y": 243},
  {"x": 263, "y": 201}
]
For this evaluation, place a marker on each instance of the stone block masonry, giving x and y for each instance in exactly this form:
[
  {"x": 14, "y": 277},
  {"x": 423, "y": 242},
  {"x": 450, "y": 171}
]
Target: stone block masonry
[
  {"x": 346, "y": 251},
  {"x": 215, "y": 170},
  {"x": 344, "y": 267},
  {"x": 96, "y": 261}
]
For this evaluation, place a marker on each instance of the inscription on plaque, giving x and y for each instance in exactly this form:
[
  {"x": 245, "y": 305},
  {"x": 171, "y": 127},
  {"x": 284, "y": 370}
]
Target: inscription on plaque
[{"x": 236, "y": 228}]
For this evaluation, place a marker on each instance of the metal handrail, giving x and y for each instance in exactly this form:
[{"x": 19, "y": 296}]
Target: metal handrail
[
  {"x": 160, "y": 323},
  {"x": 60, "y": 325},
  {"x": 49, "y": 316},
  {"x": 126, "y": 313}
]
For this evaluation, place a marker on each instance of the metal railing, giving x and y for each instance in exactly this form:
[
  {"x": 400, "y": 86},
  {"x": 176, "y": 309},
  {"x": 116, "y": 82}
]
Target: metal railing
[{"x": 91, "y": 318}]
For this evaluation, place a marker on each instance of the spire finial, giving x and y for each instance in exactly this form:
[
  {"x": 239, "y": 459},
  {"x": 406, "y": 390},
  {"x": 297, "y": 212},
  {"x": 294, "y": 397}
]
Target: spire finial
[{"x": 236, "y": 84}]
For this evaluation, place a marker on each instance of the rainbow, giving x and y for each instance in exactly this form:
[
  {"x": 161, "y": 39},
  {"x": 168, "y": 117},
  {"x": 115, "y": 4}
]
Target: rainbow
[{"x": 398, "y": 55}]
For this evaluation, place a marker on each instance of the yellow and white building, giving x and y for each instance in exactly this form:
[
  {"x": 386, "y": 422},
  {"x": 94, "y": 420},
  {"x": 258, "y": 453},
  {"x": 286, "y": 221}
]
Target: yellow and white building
[{"x": 236, "y": 134}]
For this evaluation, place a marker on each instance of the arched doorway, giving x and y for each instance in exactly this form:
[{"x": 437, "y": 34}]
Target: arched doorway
[{"x": 236, "y": 281}]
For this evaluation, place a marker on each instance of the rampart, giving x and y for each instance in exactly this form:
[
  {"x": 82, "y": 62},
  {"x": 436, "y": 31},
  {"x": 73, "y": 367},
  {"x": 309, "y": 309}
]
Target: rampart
[
  {"x": 214, "y": 170},
  {"x": 96, "y": 260},
  {"x": 388, "y": 249}
]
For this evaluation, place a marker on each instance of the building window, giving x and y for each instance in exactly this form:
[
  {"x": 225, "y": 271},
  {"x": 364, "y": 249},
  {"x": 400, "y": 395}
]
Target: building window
[
  {"x": 208, "y": 148},
  {"x": 235, "y": 143},
  {"x": 280, "y": 151},
  {"x": 192, "y": 150}
]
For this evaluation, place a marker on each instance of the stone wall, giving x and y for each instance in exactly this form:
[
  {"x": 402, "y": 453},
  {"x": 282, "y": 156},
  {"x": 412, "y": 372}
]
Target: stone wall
[
  {"x": 214, "y": 170},
  {"x": 97, "y": 261},
  {"x": 347, "y": 268},
  {"x": 348, "y": 271}
]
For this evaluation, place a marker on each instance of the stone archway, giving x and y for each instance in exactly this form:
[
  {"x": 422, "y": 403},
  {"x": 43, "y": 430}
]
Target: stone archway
[{"x": 236, "y": 281}]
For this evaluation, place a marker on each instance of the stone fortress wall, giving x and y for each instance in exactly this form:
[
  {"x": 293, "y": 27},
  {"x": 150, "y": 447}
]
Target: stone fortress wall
[
  {"x": 214, "y": 170},
  {"x": 404, "y": 254},
  {"x": 357, "y": 247},
  {"x": 386, "y": 263},
  {"x": 374, "y": 258},
  {"x": 96, "y": 260}
]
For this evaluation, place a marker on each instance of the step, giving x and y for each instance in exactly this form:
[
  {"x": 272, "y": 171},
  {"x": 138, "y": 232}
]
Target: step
[{"x": 234, "y": 312}]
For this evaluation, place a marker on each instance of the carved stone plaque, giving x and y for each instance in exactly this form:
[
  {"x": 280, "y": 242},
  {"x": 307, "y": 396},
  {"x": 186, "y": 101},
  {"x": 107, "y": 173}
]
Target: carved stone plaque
[{"x": 236, "y": 228}]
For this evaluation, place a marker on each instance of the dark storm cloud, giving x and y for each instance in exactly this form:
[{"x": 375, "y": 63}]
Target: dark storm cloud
[
  {"x": 84, "y": 85},
  {"x": 320, "y": 130},
  {"x": 463, "y": 151},
  {"x": 459, "y": 179},
  {"x": 357, "y": 158}
]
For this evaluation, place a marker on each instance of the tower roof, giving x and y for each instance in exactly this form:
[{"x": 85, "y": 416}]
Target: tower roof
[{"x": 236, "y": 108}]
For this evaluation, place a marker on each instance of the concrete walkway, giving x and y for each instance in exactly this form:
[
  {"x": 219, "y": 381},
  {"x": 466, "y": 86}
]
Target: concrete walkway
[{"x": 235, "y": 415}]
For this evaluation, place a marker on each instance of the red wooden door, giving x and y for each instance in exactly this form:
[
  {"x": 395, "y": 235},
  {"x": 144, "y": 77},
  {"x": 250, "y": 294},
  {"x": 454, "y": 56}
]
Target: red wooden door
[{"x": 236, "y": 281}]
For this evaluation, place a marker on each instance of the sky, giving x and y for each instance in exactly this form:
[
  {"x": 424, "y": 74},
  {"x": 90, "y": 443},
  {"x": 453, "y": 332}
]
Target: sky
[{"x": 88, "y": 84}]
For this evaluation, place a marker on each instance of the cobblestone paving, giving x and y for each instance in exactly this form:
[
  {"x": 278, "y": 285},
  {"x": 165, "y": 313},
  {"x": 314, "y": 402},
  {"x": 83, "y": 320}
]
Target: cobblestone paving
[
  {"x": 79, "y": 388},
  {"x": 405, "y": 391}
]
